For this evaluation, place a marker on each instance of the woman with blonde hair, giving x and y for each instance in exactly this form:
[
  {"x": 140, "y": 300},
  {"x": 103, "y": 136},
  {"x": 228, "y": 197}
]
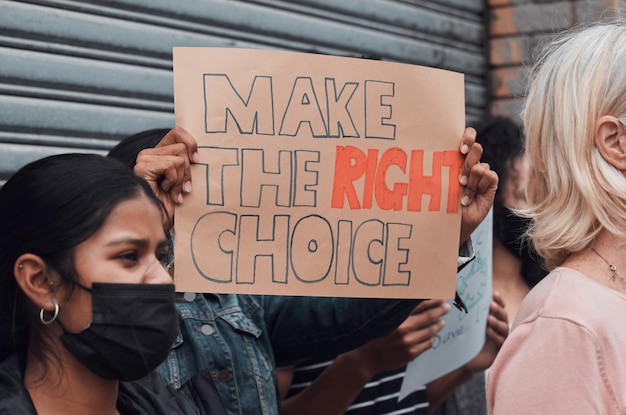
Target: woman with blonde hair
[{"x": 565, "y": 353}]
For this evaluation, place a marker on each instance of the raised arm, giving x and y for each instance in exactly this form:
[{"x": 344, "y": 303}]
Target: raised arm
[{"x": 341, "y": 382}]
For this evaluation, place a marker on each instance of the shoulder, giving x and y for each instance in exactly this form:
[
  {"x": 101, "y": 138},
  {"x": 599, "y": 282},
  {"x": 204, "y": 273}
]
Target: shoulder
[
  {"x": 567, "y": 307},
  {"x": 568, "y": 313},
  {"x": 209, "y": 306},
  {"x": 14, "y": 398},
  {"x": 566, "y": 295},
  {"x": 152, "y": 396},
  {"x": 566, "y": 339}
]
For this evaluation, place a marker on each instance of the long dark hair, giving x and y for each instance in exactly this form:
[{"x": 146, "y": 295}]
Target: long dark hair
[
  {"x": 503, "y": 142},
  {"x": 47, "y": 208}
]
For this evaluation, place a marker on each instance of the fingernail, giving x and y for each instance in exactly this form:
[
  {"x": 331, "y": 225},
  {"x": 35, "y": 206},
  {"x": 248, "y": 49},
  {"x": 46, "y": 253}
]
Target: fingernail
[
  {"x": 446, "y": 307},
  {"x": 188, "y": 186},
  {"x": 464, "y": 149},
  {"x": 180, "y": 198},
  {"x": 465, "y": 201},
  {"x": 463, "y": 180},
  {"x": 195, "y": 157}
]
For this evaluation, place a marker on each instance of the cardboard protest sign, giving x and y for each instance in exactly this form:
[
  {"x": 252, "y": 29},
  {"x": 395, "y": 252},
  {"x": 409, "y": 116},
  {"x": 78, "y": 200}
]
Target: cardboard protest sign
[
  {"x": 463, "y": 335},
  {"x": 318, "y": 175}
]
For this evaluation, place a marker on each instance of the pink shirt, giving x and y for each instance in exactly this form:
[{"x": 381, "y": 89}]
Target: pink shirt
[{"x": 566, "y": 353}]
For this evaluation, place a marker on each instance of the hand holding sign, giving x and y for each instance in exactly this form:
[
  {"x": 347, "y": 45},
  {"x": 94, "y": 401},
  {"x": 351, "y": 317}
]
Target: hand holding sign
[
  {"x": 414, "y": 336},
  {"x": 479, "y": 185},
  {"x": 166, "y": 167},
  {"x": 497, "y": 332}
]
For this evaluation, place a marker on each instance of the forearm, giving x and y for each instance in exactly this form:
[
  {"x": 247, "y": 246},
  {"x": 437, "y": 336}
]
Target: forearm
[
  {"x": 333, "y": 390},
  {"x": 317, "y": 328},
  {"x": 439, "y": 389}
]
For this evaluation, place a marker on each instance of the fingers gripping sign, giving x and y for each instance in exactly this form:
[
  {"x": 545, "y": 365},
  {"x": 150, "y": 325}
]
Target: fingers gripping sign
[
  {"x": 166, "y": 167},
  {"x": 478, "y": 185}
]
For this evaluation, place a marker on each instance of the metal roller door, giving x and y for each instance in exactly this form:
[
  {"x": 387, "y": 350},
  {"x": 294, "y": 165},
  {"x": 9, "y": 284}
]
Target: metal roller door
[{"x": 80, "y": 75}]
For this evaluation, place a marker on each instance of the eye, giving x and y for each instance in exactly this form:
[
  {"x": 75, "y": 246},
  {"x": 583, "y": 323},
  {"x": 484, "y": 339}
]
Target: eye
[
  {"x": 128, "y": 256},
  {"x": 165, "y": 256}
]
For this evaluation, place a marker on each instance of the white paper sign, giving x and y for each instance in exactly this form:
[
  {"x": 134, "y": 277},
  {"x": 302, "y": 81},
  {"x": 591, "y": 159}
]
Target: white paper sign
[{"x": 463, "y": 335}]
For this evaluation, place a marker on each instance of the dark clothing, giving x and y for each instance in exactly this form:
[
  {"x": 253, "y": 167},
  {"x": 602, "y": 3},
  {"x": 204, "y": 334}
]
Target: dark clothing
[
  {"x": 379, "y": 396},
  {"x": 469, "y": 398},
  {"x": 14, "y": 398},
  {"x": 240, "y": 339},
  {"x": 150, "y": 396}
]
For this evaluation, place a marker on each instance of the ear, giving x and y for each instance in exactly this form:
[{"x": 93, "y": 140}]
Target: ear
[
  {"x": 610, "y": 139},
  {"x": 34, "y": 278}
]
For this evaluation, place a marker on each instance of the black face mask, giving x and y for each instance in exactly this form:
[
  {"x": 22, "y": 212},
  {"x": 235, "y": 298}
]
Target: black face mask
[
  {"x": 131, "y": 332},
  {"x": 510, "y": 230}
]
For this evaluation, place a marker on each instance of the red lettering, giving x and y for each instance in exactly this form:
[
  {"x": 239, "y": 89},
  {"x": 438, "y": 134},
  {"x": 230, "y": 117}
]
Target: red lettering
[
  {"x": 353, "y": 164},
  {"x": 453, "y": 160},
  {"x": 370, "y": 178},
  {"x": 420, "y": 184},
  {"x": 387, "y": 198},
  {"x": 350, "y": 165}
]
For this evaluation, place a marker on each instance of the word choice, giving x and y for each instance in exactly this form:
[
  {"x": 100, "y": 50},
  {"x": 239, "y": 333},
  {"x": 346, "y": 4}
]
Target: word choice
[{"x": 231, "y": 248}]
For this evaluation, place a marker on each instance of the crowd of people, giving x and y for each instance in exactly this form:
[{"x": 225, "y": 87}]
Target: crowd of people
[{"x": 90, "y": 322}]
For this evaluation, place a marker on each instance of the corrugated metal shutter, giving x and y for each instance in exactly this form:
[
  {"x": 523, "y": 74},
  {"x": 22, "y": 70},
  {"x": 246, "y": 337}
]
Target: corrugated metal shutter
[{"x": 78, "y": 76}]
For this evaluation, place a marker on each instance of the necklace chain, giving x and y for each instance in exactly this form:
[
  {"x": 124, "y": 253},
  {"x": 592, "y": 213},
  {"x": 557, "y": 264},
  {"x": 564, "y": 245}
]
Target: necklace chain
[{"x": 613, "y": 268}]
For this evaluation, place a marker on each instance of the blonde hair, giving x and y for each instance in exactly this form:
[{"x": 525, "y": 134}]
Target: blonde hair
[{"x": 573, "y": 192}]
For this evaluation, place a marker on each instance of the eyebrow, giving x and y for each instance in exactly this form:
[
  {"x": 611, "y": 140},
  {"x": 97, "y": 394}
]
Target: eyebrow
[
  {"x": 163, "y": 243},
  {"x": 143, "y": 243}
]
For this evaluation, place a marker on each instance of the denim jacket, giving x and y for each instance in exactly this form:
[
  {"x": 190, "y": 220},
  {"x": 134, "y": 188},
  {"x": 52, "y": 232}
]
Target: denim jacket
[{"x": 242, "y": 339}]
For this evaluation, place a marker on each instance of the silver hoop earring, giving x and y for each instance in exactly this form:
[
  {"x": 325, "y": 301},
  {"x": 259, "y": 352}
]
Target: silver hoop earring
[{"x": 54, "y": 316}]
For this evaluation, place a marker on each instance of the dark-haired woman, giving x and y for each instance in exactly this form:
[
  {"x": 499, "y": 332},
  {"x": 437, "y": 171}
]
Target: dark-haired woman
[{"x": 86, "y": 303}]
